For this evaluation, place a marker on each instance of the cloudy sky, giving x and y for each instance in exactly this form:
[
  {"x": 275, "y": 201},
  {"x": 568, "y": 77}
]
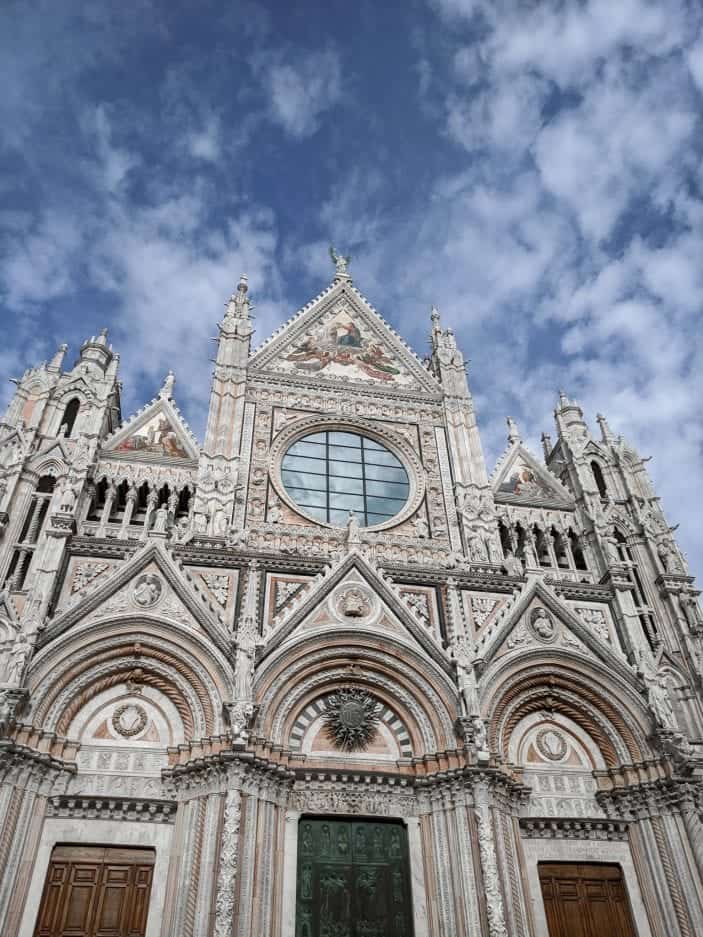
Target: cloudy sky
[{"x": 534, "y": 167}]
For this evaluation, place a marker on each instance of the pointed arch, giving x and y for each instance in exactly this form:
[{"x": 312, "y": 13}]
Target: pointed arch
[
  {"x": 608, "y": 709},
  {"x": 82, "y": 663},
  {"x": 420, "y": 695}
]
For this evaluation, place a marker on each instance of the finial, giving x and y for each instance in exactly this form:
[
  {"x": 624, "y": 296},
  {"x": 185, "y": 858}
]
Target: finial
[
  {"x": 513, "y": 432},
  {"x": 605, "y": 431},
  {"x": 341, "y": 264},
  {"x": 166, "y": 392},
  {"x": 546, "y": 444},
  {"x": 435, "y": 318},
  {"x": 238, "y": 303}
]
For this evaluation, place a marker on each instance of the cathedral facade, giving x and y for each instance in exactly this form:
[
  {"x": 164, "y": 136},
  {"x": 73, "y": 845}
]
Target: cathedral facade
[{"x": 324, "y": 675}]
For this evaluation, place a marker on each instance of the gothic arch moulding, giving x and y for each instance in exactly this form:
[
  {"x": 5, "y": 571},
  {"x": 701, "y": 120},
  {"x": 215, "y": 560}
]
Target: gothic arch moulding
[
  {"x": 419, "y": 696},
  {"x": 88, "y": 661},
  {"x": 605, "y": 709}
]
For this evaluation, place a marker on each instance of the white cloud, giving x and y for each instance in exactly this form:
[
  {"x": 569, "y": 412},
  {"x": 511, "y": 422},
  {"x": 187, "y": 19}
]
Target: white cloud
[
  {"x": 301, "y": 91},
  {"x": 206, "y": 144}
]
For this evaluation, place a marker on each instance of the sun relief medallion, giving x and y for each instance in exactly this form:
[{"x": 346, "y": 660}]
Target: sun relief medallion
[{"x": 351, "y": 717}]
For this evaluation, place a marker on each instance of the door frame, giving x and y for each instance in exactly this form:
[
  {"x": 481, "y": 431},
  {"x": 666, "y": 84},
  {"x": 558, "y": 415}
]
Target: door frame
[
  {"x": 290, "y": 867},
  {"x": 59, "y": 830},
  {"x": 584, "y": 851}
]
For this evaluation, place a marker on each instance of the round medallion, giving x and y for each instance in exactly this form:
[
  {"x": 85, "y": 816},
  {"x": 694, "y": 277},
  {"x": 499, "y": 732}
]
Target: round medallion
[
  {"x": 543, "y": 626},
  {"x": 129, "y": 719},
  {"x": 351, "y": 717},
  {"x": 147, "y": 590},
  {"x": 551, "y": 744}
]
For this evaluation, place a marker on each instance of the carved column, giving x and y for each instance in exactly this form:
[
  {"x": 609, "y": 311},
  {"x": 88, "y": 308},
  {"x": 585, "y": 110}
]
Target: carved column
[
  {"x": 229, "y": 865},
  {"x": 489, "y": 861}
]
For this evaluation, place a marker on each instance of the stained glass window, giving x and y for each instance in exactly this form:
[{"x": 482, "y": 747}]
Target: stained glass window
[{"x": 329, "y": 474}]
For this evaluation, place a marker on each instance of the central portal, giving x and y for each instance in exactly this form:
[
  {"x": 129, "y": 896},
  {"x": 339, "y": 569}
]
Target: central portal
[{"x": 353, "y": 879}]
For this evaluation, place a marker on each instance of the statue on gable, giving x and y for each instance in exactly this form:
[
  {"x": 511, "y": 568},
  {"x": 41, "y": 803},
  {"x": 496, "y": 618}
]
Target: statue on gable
[{"x": 341, "y": 263}]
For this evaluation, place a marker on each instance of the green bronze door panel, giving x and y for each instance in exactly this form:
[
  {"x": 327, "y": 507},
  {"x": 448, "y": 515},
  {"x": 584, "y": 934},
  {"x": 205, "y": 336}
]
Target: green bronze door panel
[{"x": 352, "y": 879}]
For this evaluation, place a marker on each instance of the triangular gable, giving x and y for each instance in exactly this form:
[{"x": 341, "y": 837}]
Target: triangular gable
[
  {"x": 560, "y": 627},
  {"x": 130, "y": 591},
  {"x": 53, "y": 453},
  {"x": 339, "y": 337},
  {"x": 520, "y": 479},
  {"x": 156, "y": 433},
  {"x": 355, "y": 568}
]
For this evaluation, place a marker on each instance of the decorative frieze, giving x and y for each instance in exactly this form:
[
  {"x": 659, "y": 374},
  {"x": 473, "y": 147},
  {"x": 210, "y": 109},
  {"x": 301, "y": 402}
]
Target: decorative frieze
[
  {"x": 99, "y": 808},
  {"x": 560, "y": 828}
]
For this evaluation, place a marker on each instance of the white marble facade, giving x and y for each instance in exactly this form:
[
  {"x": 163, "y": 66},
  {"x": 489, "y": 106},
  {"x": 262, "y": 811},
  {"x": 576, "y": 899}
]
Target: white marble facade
[{"x": 176, "y": 619}]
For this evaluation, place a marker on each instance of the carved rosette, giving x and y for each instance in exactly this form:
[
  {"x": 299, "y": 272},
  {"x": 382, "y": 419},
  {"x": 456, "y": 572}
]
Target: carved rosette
[
  {"x": 351, "y": 717},
  {"x": 229, "y": 856}
]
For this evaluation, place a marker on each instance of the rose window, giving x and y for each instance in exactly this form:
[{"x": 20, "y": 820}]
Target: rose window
[{"x": 328, "y": 474}]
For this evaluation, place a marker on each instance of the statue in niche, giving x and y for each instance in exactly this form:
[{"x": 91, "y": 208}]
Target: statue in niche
[
  {"x": 477, "y": 549},
  {"x": 612, "y": 550},
  {"x": 275, "y": 515},
  {"x": 480, "y": 735},
  {"x": 657, "y": 692},
  {"x": 468, "y": 689},
  {"x": 160, "y": 520},
  {"x": 67, "y": 497},
  {"x": 668, "y": 558},
  {"x": 353, "y": 530},
  {"x": 219, "y": 523},
  {"x": 21, "y": 650}
]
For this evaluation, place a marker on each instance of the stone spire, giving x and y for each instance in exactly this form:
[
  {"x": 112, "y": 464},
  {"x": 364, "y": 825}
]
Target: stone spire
[
  {"x": 57, "y": 361},
  {"x": 227, "y": 394}
]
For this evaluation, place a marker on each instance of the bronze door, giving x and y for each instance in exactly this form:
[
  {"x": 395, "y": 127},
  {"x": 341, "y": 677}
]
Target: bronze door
[
  {"x": 353, "y": 879},
  {"x": 585, "y": 900},
  {"x": 96, "y": 891}
]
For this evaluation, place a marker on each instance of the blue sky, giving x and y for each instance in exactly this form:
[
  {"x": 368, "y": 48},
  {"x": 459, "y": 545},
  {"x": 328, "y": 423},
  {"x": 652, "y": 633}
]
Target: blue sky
[{"x": 534, "y": 168}]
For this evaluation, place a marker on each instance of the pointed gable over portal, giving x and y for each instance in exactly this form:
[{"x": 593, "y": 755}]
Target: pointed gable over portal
[{"x": 339, "y": 337}]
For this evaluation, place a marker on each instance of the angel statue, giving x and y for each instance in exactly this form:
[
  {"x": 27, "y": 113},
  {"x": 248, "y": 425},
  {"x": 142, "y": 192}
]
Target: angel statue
[{"x": 341, "y": 263}]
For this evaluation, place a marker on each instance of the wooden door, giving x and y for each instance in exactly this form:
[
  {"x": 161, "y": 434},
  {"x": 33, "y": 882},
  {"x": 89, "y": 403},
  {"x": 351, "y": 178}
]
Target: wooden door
[
  {"x": 353, "y": 879},
  {"x": 96, "y": 891},
  {"x": 585, "y": 900}
]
